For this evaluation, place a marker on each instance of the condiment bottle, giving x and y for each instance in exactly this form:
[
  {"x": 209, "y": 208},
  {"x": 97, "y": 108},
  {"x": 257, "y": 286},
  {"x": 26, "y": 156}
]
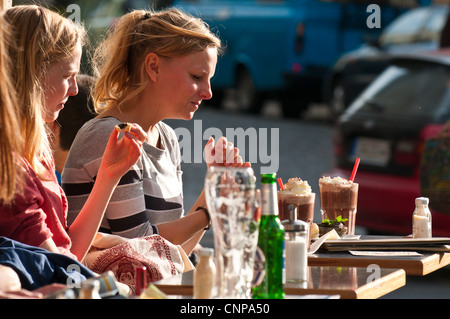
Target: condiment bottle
[
  {"x": 108, "y": 285},
  {"x": 204, "y": 274},
  {"x": 270, "y": 243},
  {"x": 90, "y": 289},
  {"x": 422, "y": 219},
  {"x": 296, "y": 242},
  {"x": 141, "y": 280}
]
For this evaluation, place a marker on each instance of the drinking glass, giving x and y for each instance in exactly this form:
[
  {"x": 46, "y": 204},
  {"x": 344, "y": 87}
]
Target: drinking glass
[
  {"x": 232, "y": 202},
  {"x": 339, "y": 199}
]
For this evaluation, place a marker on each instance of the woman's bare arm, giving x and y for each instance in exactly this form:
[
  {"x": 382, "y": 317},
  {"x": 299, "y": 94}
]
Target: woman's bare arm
[{"x": 119, "y": 157}]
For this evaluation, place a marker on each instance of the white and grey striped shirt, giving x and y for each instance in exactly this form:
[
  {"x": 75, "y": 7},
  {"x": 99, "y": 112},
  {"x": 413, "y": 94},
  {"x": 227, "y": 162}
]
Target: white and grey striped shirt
[{"x": 151, "y": 192}]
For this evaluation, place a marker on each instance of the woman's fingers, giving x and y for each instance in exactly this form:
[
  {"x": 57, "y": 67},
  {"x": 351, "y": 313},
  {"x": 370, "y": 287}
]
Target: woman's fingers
[
  {"x": 137, "y": 131},
  {"x": 224, "y": 153},
  {"x": 121, "y": 154}
]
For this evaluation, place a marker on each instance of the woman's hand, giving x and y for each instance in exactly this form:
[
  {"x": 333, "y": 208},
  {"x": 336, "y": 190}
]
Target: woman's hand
[
  {"x": 121, "y": 155},
  {"x": 223, "y": 154}
]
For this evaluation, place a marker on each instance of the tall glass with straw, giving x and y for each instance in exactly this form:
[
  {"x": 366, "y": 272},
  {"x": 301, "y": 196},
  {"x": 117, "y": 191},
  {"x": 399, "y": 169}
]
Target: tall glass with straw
[{"x": 339, "y": 199}]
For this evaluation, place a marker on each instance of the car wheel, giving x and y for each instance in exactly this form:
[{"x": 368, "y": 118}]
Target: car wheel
[
  {"x": 338, "y": 99},
  {"x": 246, "y": 95}
]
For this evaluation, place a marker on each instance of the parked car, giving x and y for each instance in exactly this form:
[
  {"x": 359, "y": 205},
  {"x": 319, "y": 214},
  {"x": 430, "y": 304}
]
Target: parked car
[
  {"x": 386, "y": 127},
  {"x": 284, "y": 48},
  {"x": 416, "y": 30}
]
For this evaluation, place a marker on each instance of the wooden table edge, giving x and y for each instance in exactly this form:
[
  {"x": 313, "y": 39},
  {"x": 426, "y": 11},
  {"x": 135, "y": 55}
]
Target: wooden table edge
[
  {"x": 411, "y": 267},
  {"x": 443, "y": 259},
  {"x": 177, "y": 290},
  {"x": 388, "y": 283}
]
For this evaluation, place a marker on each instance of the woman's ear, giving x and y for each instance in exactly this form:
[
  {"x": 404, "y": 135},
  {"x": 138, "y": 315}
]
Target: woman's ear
[{"x": 152, "y": 62}]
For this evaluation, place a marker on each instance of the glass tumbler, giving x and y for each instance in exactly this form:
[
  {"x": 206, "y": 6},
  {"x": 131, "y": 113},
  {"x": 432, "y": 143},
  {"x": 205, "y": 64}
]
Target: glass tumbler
[{"x": 232, "y": 202}]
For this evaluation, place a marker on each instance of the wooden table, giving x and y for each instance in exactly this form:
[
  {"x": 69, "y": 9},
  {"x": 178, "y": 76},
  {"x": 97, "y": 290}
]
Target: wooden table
[
  {"x": 413, "y": 265},
  {"x": 347, "y": 282}
]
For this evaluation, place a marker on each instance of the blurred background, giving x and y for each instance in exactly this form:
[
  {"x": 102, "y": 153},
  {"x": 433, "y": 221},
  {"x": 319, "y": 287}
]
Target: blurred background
[{"x": 339, "y": 79}]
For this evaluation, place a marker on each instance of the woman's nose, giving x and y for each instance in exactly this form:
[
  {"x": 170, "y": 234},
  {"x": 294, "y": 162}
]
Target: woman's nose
[
  {"x": 73, "y": 89},
  {"x": 206, "y": 93}
]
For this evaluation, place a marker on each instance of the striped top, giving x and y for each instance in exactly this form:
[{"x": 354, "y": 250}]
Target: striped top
[{"x": 149, "y": 193}]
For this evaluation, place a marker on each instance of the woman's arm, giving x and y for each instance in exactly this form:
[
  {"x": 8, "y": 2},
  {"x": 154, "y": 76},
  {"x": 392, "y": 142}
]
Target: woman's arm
[
  {"x": 190, "y": 229},
  {"x": 9, "y": 279},
  {"x": 119, "y": 157},
  {"x": 50, "y": 245}
]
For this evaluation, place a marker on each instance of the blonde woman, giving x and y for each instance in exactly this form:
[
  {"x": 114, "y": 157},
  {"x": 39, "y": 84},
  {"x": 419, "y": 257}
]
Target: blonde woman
[
  {"x": 11, "y": 143},
  {"x": 46, "y": 51},
  {"x": 152, "y": 66}
]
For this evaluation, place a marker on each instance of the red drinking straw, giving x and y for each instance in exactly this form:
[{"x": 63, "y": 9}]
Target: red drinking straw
[
  {"x": 280, "y": 182},
  {"x": 355, "y": 168}
]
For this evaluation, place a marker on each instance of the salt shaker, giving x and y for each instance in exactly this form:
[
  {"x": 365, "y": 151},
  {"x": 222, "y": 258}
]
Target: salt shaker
[
  {"x": 204, "y": 274},
  {"x": 422, "y": 219},
  {"x": 296, "y": 245}
]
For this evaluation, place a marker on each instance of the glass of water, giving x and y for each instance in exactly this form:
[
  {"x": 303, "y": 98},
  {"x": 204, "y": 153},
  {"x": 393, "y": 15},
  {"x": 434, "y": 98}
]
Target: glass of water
[{"x": 233, "y": 205}]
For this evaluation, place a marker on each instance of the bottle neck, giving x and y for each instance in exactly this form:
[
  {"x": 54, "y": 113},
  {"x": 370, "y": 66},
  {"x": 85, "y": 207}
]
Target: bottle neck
[
  {"x": 269, "y": 200},
  {"x": 204, "y": 258}
]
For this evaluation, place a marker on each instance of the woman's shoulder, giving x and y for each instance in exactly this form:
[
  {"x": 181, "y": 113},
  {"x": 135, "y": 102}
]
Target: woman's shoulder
[
  {"x": 95, "y": 131},
  {"x": 99, "y": 125},
  {"x": 92, "y": 138}
]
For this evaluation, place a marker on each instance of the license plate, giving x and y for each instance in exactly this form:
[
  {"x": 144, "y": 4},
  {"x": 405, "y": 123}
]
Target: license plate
[{"x": 371, "y": 151}]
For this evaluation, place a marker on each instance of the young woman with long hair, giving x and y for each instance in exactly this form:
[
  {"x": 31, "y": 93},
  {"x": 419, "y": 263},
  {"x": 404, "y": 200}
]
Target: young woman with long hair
[
  {"x": 152, "y": 66},
  {"x": 45, "y": 51}
]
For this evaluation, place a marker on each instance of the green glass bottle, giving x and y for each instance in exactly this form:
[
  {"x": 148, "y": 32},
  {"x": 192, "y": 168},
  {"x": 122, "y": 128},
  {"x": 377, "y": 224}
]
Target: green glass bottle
[{"x": 270, "y": 243}]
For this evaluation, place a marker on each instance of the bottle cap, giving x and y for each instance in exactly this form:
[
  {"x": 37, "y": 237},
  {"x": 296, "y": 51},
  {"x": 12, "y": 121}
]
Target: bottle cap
[
  {"x": 206, "y": 251},
  {"x": 293, "y": 224},
  {"x": 422, "y": 201}
]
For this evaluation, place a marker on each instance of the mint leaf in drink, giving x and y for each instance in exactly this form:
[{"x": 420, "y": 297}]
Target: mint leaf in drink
[
  {"x": 339, "y": 219},
  {"x": 331, "y": 222}
]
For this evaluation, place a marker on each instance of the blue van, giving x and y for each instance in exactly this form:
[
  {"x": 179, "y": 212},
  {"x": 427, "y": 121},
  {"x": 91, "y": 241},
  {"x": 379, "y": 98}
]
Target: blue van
[{"x": 284, "y": 48}]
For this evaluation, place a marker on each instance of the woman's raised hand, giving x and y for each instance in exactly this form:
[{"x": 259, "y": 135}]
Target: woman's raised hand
[
  {"x": 223, "y": 154},
  {"x": 121, "y": 155}
]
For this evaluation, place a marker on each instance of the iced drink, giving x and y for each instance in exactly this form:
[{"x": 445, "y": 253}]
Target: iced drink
[
  {"x": 339, "y": 197},
  {"x": 297, "y": 192}
]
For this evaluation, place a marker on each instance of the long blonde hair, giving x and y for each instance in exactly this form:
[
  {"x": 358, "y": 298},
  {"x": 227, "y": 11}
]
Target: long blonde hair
[
  {"x": 11, "y": 143},
  {"x": 41, "y": 38},
  {"x": 119, "y": 60}
]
